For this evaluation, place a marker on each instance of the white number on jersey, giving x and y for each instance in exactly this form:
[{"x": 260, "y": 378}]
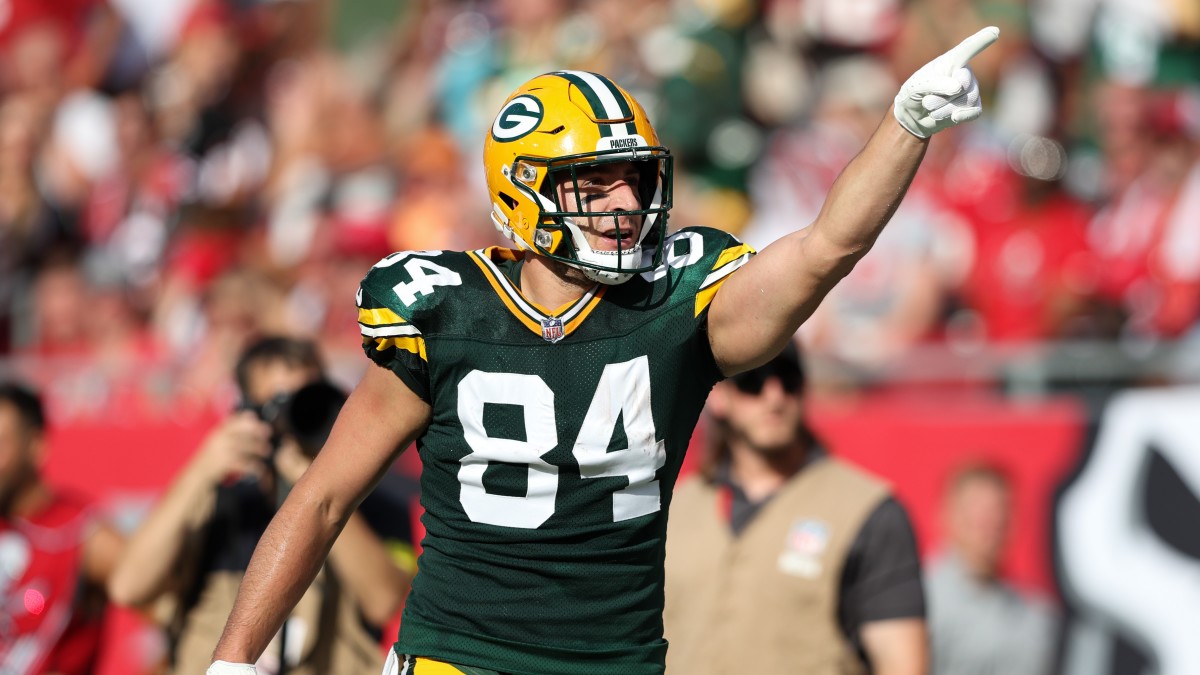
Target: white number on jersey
[
  {"x": 426, "y": 275},
  {"x": 623, "y": 393},
  {"x": 537, "y": 402},
  {"x": 672, "y": 259}
]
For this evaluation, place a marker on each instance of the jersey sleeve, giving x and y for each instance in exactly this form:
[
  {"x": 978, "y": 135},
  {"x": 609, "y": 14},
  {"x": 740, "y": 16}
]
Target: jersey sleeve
[
  {"x": 723, "y": 255},
  {"x": 392, "y": 341}
]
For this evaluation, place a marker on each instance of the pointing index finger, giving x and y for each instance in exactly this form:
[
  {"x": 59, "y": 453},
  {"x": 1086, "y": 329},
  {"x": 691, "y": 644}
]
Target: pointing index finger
[{"x": 969, "y": 48}]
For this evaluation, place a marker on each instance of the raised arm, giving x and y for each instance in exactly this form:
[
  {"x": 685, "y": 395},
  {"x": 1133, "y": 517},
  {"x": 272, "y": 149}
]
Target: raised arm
[
  {"x": 761, "y": 306},
  {"x": 381, "y": 417}
]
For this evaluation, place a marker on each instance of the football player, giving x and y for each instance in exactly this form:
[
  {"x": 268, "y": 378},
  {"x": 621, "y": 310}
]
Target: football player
[{"x": 552, "y": 389}]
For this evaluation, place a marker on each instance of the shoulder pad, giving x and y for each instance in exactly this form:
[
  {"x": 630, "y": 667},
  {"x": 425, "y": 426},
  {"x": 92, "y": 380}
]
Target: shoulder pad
[
  {"x": 406, "y": 288},
  {"x": 699, "y": 259}
]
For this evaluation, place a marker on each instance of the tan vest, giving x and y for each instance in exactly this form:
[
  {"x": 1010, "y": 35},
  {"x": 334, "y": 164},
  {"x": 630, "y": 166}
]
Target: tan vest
[
  {"x": 325, "y": 611},
  {"x": 325, "y": 634},
  {"x": 766, "y": 601}
]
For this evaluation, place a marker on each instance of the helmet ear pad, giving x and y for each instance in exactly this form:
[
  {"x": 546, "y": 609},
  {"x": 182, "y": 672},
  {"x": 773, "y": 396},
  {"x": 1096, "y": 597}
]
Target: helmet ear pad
[
  {"x": 515, "y": 221},
  {"x": 549, "y": 201}
]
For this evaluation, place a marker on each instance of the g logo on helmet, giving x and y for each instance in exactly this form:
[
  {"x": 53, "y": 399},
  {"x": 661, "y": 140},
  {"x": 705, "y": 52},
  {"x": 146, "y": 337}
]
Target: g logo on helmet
[{"x": 521, "y": 116}]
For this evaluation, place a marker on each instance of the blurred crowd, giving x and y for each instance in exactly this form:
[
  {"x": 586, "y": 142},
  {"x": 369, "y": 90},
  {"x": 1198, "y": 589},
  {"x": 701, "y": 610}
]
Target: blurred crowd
[{"x": 179, "y": 176}]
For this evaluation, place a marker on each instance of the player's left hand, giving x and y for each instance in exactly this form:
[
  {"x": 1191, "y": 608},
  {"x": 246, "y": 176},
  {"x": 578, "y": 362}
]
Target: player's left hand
[{"x": 944, "y": 91}]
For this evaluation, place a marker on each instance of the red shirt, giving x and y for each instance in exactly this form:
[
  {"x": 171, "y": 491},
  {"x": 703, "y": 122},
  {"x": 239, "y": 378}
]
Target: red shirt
[
  {"x": 42, "y": 626},
  {"x": 67, "y": 18},
  {"x": 1028, "y": 263}
]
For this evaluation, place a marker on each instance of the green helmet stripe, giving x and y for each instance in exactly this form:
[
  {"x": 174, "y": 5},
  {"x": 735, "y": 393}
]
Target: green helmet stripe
[
  {"x": 593, "y": 100},
  {"x": 604, "y": 97},
  {"x": 616, "y": 94}
]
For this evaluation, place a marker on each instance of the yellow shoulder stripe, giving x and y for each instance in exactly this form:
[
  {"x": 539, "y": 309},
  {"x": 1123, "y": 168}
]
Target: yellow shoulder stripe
[
  {"x": 727, "y": 263},
  {"x": 732, "y": 253},
  {"x": 415, "y": 345},
  {"x": 705, "y": 297},
  {"x": 379, "y": 317}
]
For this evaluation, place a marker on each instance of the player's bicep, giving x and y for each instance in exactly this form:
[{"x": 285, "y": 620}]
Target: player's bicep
[
  {"x": 760, "y": 308},
  {"x": 381, "y": 418}
]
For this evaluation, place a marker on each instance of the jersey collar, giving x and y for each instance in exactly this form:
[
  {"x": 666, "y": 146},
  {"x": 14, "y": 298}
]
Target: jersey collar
[{"x": 551, "y": 325}]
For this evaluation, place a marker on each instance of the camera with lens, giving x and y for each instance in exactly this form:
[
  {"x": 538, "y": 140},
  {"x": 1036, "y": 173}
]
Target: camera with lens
[{"x": 305, "y": 415}]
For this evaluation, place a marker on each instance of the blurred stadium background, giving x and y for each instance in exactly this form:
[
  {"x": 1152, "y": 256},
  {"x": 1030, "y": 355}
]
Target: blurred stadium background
[{"x": 179, "y": 175}]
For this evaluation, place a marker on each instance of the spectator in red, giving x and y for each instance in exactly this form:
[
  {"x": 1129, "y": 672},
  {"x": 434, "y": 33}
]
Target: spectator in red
[
  {"x": 1146, "y": 237},
  {"x": 55, "y": 554},
  {"x": 44, "y": 43},
  {"x": 1033, "y": 273},
  {"x": 60, "y": 326}
]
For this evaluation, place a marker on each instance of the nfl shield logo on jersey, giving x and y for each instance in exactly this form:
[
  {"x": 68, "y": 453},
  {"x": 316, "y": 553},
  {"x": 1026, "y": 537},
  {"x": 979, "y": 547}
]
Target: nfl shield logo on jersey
[{"x": 552, "y": 329}]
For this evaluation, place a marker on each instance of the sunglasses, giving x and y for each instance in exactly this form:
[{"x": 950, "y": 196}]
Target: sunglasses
[{"x": 752, "y": 381}]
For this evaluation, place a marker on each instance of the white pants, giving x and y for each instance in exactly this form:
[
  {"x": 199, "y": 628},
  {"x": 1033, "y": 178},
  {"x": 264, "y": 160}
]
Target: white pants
[{"x": 392, "y": 665}]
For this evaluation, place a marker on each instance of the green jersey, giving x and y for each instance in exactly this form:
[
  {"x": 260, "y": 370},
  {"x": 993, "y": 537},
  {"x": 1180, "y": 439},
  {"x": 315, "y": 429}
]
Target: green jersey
[{"x": 555, "y": 440}]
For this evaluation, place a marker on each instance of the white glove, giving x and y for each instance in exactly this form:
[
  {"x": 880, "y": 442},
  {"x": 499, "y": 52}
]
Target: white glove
[
  {"x": 944, "y": 91},
  {"x": 227, "y": 668}
]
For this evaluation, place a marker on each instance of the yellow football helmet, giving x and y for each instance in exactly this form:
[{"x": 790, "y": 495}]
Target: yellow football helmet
[{"x": 547, "y": 130}]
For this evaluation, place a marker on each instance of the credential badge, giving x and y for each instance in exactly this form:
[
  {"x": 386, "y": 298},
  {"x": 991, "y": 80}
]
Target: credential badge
[{"x": 803, "y": 548}]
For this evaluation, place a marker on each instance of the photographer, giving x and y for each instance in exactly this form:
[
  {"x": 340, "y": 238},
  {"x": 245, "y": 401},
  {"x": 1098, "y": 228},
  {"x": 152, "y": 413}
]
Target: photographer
[{"x": 186, "y": 561}]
